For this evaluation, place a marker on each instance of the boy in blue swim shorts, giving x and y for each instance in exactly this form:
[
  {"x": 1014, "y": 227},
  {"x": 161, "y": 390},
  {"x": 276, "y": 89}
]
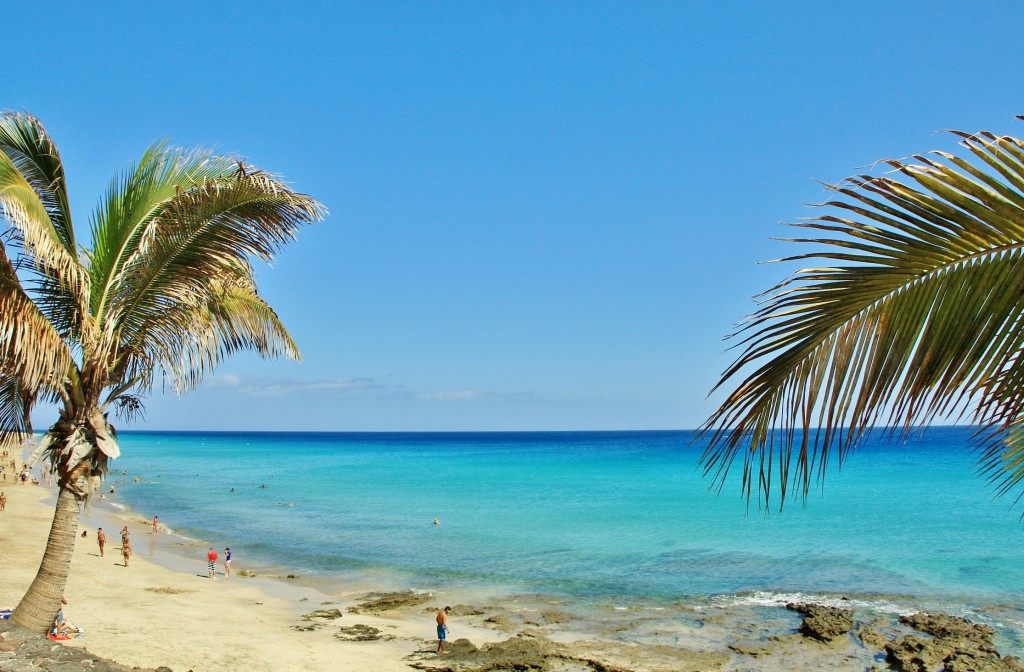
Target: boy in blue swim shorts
[{"x": 442, "y": 628}]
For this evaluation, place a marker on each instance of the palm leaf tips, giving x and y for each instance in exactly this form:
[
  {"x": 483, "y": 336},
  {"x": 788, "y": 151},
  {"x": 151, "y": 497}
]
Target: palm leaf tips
[{"x": 916, "y": 314}]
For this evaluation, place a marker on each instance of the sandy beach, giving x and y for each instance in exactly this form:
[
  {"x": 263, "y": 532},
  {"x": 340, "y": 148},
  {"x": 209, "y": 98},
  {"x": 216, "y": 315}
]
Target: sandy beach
[
  {"x": 149, "y": 615},
  {"x": 164, "y": 612}
]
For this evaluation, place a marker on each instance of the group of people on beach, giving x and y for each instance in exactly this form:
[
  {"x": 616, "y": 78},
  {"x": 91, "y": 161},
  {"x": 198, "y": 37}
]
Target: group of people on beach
[{"x": 211, "y": 563}]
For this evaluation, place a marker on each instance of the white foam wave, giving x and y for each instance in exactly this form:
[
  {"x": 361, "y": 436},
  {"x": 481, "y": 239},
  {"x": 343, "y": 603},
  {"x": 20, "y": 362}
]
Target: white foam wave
[{"x": 774, "y": 599}]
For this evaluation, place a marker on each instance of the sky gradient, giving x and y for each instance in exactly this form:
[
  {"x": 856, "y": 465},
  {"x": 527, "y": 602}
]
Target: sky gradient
[{"x": 544, "y": 215}]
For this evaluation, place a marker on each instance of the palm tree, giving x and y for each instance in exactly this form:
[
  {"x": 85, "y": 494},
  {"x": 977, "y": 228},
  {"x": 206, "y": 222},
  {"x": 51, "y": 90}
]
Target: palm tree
[
  {"x": 912, "y": 311},
  {"x": 166, "y": 291}
]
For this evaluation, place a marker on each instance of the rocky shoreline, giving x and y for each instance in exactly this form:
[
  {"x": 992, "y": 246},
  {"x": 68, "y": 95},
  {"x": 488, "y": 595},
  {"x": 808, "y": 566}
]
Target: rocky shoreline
[{"x": 799, "y": 636}]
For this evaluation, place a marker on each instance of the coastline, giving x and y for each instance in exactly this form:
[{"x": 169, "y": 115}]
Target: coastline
[
  {"x": 164, "y": 611},
  {"x": 151, "y": 615}
]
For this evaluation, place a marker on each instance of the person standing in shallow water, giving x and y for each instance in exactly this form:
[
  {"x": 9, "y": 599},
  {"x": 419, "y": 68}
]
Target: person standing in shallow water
[{"x": 442, "y": 628}]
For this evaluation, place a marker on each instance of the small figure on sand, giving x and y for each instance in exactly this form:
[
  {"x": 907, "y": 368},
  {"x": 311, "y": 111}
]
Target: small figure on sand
[
  {"x": 211, "y": 562},
  {"x": 227, "y": 563},
  {"x": 442, "y": 628},
  {"x": 126, "y": 546},
  {"x": 3, "y": 501},
  {"x": 101, "y": 539},
  {"x": 61, "y": 626},
  {"x": 156, "y": 525}
]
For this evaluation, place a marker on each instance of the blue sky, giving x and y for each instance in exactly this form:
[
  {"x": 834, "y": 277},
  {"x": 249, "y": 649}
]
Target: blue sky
[{"x": 544, "y": 215}]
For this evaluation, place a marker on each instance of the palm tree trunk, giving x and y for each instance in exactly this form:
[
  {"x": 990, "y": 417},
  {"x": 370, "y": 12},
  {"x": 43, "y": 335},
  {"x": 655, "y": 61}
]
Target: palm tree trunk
[{"x": 38, "y": 608}]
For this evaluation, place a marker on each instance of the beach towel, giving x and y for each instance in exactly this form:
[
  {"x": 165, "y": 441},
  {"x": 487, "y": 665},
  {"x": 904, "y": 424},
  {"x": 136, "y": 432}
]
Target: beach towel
[{"x": 58, "y": 638}]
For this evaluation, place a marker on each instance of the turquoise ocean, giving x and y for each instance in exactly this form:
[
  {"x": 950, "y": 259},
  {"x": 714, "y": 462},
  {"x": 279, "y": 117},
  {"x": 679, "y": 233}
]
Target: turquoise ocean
[{"x": 612, "y": 516}]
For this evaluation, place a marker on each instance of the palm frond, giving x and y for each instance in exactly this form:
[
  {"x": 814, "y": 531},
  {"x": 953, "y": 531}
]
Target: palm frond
[
  {"x": 31, "y": 351},
  {"x": 233, "y": 318},
  {"x": 135, "y": 201},
  {"x": 915, "y": 314},
  {"x": 201, "y": 234},
  {"x": 189, "y": 339},
  {"x": 33, "y": 199},
  {"x": 15, "y": 413}
]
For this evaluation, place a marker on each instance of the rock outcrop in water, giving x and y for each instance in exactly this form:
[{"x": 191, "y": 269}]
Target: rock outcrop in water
[
  {"x": 954, "y": 645},
  {"x": 822, "y": 622}
]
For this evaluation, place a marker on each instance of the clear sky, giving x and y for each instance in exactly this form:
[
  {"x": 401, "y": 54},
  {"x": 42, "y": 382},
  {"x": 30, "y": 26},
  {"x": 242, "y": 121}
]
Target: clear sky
[{"x": 544, "y": 215}]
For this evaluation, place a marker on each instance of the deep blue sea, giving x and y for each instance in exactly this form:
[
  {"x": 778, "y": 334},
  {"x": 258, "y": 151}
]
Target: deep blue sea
[{"x": 585, "y": 514}]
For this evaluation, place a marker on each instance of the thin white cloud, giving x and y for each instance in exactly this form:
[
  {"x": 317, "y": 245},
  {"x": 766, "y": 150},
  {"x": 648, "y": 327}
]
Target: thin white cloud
[
  {"x": 454, "y": 395},
  {"x": 476, "y": 395},
  {"x": 273, "y": 387},
  {"x": 277, "y": 387}
]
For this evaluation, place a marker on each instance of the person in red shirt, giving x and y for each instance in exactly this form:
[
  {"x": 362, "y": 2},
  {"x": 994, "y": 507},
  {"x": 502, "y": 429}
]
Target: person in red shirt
[{"x": 211, "y": 558}]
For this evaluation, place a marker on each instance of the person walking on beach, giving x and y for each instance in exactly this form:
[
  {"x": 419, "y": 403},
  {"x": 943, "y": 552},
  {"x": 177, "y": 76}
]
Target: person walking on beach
[
  {"x": 227, "y": 563},
  {"x": 3, "y": 501},
  {"x": 126, "y": 546},
  {"x": 442, "y": 628},
  {"x": 211, "y": 562},
  {"x": 156, "y": 525},
  {"x": 101, "y": 539}
]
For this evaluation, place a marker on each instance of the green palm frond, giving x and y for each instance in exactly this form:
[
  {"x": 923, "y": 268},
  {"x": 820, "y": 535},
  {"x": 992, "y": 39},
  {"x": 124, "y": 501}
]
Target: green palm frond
[
  {"x": 133, "y": 204},
  {"x": 913, "y": 311},
  {"x": 33, "y": 198},
  {"x": 201, "y": 234}
]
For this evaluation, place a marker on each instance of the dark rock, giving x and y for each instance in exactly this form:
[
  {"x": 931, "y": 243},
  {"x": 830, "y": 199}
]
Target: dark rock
[
  {"x": 958, "y": 644},
  {"x": 915, "y": 654},
  {"x": 871, "y": 636},
  {"x": 823, "y": 623},
  {"x": 517, "y": 653},
  {"x": 360, "y": 633},
  {"x": 389, "y": 602},
  {"x": 327, "y": 614},
  {"x": 944, "y": 626}
]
